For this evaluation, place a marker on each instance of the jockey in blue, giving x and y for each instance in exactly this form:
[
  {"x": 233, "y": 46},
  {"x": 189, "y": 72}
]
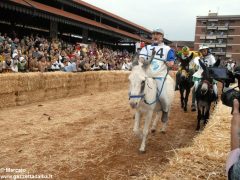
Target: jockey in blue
[{"x": 159, "y": 63}]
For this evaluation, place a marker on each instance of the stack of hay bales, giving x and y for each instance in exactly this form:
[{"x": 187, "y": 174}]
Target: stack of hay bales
[
  {"x": 206, "y": 158},
  {"x": 24, "y": 88}
]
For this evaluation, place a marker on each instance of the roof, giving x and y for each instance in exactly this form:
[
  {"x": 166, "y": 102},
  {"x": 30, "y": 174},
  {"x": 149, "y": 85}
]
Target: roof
[
  {"x": 110, "y": 14},
  {"x": 59, "y": 12},
  {"x": 219, "y": 17}
]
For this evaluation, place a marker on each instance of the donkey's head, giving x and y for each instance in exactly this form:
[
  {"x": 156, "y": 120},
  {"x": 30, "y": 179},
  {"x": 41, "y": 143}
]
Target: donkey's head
[
  {"x": 207, "y": 80},
  {"x": 137, "y": 83},
  {"x": 184, "y": 73}
]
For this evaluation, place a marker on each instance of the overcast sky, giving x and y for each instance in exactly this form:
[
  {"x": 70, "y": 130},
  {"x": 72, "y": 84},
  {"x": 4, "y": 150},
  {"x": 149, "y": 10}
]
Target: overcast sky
[{"x": 176, "y": 17}]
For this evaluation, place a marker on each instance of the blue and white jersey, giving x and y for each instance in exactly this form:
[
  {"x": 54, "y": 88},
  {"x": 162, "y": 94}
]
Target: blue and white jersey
[{"x": 163, "y": 53}]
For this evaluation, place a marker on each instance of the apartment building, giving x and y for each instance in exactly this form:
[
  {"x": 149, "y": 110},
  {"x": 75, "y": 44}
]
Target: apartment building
[{"x": 221, "y": 33}]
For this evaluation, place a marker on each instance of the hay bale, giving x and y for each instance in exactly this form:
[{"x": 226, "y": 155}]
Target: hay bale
[
  {"x": 206, "y": 158},
  {"x": 25, "y": 88},
  {"x": 7, "y": 100}
]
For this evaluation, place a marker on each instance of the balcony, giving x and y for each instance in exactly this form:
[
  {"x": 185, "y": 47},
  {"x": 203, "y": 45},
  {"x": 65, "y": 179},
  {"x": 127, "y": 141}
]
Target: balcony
[
  {"x": 212, "y": 20},
  {"x": 219, "y": 53},
  {"x": 211, "y": 27},
  {"x": 211, "y": 45},
  {"x": 221, "y": 45},
  {"x": 202, "y": 37},
  {"x": 228, "y": 55},
  {"x": 223, "y": 28},
  {"x": 221, "y": 36},
  {"x": 211, "y": 37}
]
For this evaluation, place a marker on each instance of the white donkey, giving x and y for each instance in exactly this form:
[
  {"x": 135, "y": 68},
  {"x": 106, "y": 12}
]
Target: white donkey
[{"x": 144, "y": 97}]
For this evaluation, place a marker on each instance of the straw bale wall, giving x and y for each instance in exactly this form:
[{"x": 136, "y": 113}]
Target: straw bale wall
[
  {"x": 206, "y": 158},
  {"x": 24, "y": 88}
]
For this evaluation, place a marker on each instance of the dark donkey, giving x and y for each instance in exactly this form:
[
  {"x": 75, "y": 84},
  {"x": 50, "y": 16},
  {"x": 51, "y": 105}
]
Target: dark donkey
[
  {"x": 185, "y": 82},
  {"x": 205, "y": 94}
]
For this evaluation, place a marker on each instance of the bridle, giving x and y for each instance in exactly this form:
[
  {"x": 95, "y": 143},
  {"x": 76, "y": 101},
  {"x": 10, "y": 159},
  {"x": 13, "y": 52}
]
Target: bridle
[{"x": 141, "y": 95}]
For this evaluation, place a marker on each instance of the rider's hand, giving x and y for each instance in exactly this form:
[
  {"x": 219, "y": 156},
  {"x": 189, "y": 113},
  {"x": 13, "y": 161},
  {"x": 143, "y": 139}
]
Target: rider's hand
[
  {"x": 236, "y": 108},
  {"x": 170, "y": 63}
]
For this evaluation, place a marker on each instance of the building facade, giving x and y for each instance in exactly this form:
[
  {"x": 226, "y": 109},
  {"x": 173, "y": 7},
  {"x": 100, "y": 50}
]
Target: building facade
[{"x": 221, "y": 33}]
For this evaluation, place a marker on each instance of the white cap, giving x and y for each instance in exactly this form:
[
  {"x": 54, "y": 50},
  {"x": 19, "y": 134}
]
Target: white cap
[
  {"x": 158, "y": 30},
  {"x": 14, "y": 55},
  {"x": 203, "y": 47},
  {"x": 21, "y": 58}
]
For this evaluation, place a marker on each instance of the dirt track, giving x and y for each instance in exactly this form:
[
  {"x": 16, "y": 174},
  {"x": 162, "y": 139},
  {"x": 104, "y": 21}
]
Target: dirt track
[{"x": 88, "y": 137}]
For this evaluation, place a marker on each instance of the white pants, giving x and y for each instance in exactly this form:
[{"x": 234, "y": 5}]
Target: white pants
[{"x": 162, "y": 94}]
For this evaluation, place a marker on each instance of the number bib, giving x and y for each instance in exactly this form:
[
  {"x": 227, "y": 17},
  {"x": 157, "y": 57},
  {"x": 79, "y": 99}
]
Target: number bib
[{"x": 157, "y": 67}]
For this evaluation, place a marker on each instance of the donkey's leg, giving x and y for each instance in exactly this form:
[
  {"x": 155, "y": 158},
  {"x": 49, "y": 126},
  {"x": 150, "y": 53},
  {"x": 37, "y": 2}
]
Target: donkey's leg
[
  {"x": 186, "y": 99},
  {"x": 136, "y": 128},
  {"x": 182, "y": 97},
  {"x": 164, "y": 121},
  {"x": 155, "y": 122},
  {"x": 206, "y": 115},
  {"x": 193, "y": 108},
  {"x": 145, "y": 130},
  {"x": 199, "y": 117}
]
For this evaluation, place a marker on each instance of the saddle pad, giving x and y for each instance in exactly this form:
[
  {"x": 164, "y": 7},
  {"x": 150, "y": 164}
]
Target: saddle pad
[{"x": 218, "y": 73}]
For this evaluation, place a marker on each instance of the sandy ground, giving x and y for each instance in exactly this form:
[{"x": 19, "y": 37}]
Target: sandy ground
[{"x": 88, "y": 137}]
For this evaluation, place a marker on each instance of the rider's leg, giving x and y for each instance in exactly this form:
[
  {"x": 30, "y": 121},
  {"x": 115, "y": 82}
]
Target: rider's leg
[
  {"x": 194, "y": 89},
  {"x": 215, "y": 90},
  {"x": 177, "y": 81},
  {"x": 162, "y": 94}
]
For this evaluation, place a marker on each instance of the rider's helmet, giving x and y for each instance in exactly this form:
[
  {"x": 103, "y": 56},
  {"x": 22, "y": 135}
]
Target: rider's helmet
[
  {"x": 203, "y": 47},
  {"x": 158, "y": 30},
  {"x": 185, "y": 50}
]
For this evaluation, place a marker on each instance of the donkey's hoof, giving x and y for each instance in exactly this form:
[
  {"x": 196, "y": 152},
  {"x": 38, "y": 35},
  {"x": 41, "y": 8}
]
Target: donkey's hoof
[
  {"x": 163, "y": 131},
  {"x": 143, "y": 151},
  {"x": 153, "y": 131}
]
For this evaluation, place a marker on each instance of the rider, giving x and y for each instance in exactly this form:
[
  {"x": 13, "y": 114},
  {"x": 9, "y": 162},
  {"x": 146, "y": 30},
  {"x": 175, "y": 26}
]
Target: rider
[
  {"x": 163, "y": 58},
  {"x": 186, "y": 59},
  {"x": 209, "y": 60}
]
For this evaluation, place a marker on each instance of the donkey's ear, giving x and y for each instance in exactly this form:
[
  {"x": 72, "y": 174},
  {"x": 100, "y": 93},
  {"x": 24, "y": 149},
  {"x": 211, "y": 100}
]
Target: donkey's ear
[
  {"x": 217, "y": 63},
  {"x": 202, "y": 65},
  {"x": 135, "y": 62}
]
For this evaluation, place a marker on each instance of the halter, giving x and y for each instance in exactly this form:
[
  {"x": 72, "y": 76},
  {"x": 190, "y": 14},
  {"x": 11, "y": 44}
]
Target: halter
[{"x": 142, "y": 95}]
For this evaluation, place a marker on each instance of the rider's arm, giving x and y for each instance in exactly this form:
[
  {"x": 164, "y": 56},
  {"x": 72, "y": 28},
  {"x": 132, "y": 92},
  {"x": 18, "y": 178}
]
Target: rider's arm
[{"x": 170, "y": 58}]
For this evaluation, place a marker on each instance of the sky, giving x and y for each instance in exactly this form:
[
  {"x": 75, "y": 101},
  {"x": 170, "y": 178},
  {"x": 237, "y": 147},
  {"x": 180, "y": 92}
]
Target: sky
[{"x": 176, "y": 17}]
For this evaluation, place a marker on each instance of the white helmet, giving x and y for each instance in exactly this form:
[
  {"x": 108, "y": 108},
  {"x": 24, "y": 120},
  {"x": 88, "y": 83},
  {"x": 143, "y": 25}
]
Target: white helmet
[
  {"x": 203, "y": 47},
  {"x": 21, "y": 59},
  {"x": 158, "y": 30}
]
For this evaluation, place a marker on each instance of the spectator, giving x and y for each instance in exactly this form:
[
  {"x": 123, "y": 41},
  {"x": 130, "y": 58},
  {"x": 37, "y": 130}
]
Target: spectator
[
  {"x": 35, "y": 53},
  {"x": 233, "y": 161},
  {"x": 22, "y": 64},
  {"x": 7, "y": 64}
]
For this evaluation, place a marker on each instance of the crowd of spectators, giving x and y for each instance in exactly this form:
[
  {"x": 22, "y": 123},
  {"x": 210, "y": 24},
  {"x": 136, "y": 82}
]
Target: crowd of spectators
[{"x": 35, "y": 53}]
